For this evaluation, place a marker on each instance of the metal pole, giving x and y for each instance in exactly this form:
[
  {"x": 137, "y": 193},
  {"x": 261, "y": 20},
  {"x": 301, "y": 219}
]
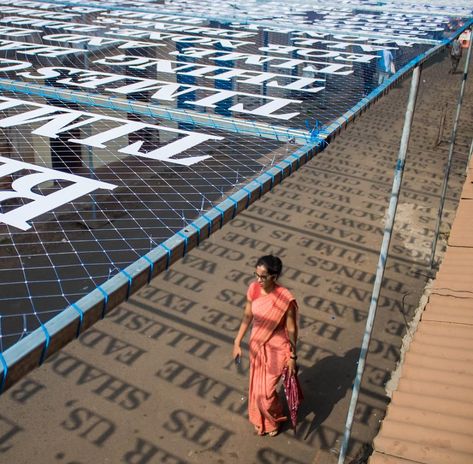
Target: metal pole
[
  {"x": 450, "y": 155},
  {"x": 469, "y": 155},
  {"x": 382, "y": 258}
]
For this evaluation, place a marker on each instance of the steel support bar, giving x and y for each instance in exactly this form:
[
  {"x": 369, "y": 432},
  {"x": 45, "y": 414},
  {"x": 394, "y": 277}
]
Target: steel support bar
[
  {"x": 235, "y": 125},
  {"x": 391, "y": 214},
  {"x": 469, "y": 155},
  {"x": 450, "y": 155}
]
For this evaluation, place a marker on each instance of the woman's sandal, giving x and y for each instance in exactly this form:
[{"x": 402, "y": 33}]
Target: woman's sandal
[{"x": 270, "y": 434}]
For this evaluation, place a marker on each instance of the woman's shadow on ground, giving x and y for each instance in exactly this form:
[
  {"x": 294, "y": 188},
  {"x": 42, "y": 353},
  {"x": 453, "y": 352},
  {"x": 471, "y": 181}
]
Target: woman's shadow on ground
[{"x": 325, "y": 384}]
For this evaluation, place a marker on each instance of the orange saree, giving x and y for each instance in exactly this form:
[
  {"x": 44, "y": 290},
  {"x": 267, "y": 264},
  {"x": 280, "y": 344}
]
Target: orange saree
[{"x": 269, "y": 353}]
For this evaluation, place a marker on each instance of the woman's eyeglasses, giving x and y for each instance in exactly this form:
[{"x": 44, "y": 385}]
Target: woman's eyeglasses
[{"x": 261, "y": 277}]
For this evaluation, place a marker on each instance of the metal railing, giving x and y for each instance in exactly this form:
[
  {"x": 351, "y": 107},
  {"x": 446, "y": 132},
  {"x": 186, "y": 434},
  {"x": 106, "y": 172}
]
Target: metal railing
[{"x": 391, "y": 213}]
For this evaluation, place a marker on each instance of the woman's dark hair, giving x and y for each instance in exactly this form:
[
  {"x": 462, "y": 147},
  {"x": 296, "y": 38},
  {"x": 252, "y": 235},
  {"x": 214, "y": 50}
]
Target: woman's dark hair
[{"x": 272, "y": 263}]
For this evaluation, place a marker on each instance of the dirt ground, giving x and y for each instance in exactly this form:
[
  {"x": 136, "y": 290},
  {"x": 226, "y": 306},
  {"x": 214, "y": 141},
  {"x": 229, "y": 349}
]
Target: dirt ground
[{"x": 154, "y": 381}]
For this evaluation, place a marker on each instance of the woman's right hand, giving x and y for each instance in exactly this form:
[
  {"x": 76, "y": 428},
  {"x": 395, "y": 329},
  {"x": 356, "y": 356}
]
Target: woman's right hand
[{"x": 236, "y": 351}]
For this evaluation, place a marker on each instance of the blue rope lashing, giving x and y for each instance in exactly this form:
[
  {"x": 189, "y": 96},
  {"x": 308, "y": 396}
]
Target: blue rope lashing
[
  {"x": 297, "y": 159},
  {"x": 221, "y": 215},
  {"x": 281, "y": 169},
  {"x": 130, "y": 280},
  {"x": 271, "y": 185},
  {"x": 168, "y": 257},
  {"x": 186, "y": 240},
  {"x": 235, "y": 206},
  {"x": 314, "y": 131},
  {"x": 248, "y": 198},
  {"x": 105, "y": 300},
  {"x": 197, "y": 228},
  {"x": 45, "y": 346},
  {"x": 322, "y": 142},
  {"x": 5, "y": 372},
  {"x": 399, "y": 165},
  {"x": 260, "y": 187},
  {"x": 289, "y": 164},
  {"x": 81, "y": 318},
  {"x": 151, "y": 268},
  {"x": 209, "y": 222}
]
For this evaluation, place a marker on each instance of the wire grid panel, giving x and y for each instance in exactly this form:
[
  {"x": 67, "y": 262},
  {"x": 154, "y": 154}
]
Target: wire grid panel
[
  {"x": 89, "y": 186},
  {"x": 140, "y": 202},
  {"x": 296, "y": 79}
]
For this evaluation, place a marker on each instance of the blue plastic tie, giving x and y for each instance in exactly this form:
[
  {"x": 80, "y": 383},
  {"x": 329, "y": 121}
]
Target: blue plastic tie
[
  {"x": 289, "y": 164},
  {"x": 81, "y": 318},
  {"x": 260, "y": 187},
  {"x": 235, "y": 206},
  {"x": 209, "y": 222},
  {"x": 322, "y": 142},
  {"x": 221, "y": 215},
  {"x": 45, "y": 346},
  {"x": 151, "y": 268},
  {"x": 186, "y": 240},
  {"x": 307, "y": 125},
  {"x": 105, "y": 301},
  {"x": 297, "y": 159},
  {"x": 316, "y": 132},
  {"x": 197, "y": 228},
  {"x": 248, "y": 198},
  {"x": 313, "y": 132},
  {"x": 168, "y": 257},
  {"x": 271, "y": 185},
  {"x": 130, "y": 281},
  {"x": 5, "y": 372}
]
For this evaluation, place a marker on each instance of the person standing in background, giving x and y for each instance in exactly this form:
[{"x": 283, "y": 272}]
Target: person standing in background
[
  {"x": 385, "y": 65},
  {"x": 455, "y": 55}
]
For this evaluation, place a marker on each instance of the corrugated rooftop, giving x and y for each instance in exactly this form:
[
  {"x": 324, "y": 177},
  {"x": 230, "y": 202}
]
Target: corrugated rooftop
[{"x": 430, "y": 418}]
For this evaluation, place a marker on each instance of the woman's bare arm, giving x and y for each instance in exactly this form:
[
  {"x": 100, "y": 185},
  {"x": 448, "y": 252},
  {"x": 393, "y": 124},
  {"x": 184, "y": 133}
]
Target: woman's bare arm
[{"x": 245, "y": 323}]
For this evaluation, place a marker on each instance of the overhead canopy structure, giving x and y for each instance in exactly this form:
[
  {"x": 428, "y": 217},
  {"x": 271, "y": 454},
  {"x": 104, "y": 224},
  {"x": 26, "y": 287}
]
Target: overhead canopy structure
[{"x": 130, "y": 131}]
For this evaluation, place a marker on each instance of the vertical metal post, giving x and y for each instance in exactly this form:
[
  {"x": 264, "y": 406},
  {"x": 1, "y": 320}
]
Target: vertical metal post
[
  {"x": 391, "y": 214},
  {"x": 450, "y": 155},
  {"x": 469, "y": 155}
]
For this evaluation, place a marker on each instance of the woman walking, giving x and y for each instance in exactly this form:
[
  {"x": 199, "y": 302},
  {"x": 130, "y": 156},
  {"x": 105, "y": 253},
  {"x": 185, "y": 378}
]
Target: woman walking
[{"x": 272, "y": 310}]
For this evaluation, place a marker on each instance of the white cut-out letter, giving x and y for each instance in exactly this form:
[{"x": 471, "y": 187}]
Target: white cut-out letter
[{"x": 41, "y": 204}]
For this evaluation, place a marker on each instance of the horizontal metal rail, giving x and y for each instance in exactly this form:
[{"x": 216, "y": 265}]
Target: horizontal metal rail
[{"x": 234, "y": 125}]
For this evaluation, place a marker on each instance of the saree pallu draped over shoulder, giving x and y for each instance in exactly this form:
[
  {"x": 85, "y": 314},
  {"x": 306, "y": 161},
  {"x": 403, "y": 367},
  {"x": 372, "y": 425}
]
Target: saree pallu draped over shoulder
[{"x": 270, "y": 350}]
